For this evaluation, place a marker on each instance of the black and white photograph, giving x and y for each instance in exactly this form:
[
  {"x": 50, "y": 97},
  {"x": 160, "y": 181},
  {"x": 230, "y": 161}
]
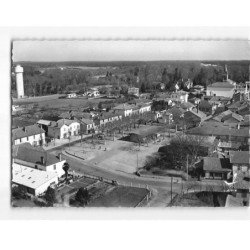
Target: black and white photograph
[{"x": 130, "y": 123}]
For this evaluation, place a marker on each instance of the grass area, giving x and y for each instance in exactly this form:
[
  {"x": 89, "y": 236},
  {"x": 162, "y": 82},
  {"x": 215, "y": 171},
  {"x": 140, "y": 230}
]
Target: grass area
[
  {"x": 200, "y": 199},
  {"x": 23, "y": 203},
  {"x": 84, "y": 182},
  {"x": 54, "y": 102},
  {"x": 120, "y": 197}
]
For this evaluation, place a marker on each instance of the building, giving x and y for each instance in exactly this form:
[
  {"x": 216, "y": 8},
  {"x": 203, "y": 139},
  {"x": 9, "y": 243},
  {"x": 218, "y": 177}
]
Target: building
[
  {"x": 133, "y": 91},
  {"x": 19, "y": 81},
  {"x": 38, "y": 158},
  {"x": 222, "y": 132},
  {"x": 86, "y": 125},
  {"x": 124, "y": 109},
  {"x": 44, "y": 124},
  {"x": 225, "y": 89},
  {"x": 216, "y": 168},
  {"x": 63, "y": 128},
  {"x": 207, "y": 107},
  {"x": 194, "y": 118},
  {"x": 71, "y": 95},
  {"x": 93, "y": 93},
  {"x": 241, "y": 162},
  {"x": 179, "y": 96},
  {"x": 35, "y": 181},
  {"x": 33, "y": 134}
]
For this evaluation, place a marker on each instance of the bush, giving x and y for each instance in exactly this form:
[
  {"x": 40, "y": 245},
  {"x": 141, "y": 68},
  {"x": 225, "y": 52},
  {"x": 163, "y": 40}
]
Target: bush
[
  {"x": 50, "y": 196},
  {"x": 82, "y": 196}
]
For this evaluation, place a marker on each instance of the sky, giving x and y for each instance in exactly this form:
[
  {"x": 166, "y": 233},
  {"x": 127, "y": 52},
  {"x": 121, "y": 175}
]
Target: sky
[{"x": 130, "y": 50}]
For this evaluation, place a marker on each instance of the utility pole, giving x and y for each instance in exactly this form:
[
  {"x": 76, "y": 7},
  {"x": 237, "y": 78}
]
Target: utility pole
[
  {"x": 171, "y": 189},
  {"x": 187, "y": 167},
  {"x": 137, "y": 159}
]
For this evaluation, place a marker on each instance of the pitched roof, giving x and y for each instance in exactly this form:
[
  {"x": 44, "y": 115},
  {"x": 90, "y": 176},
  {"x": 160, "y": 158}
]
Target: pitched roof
[
  {"x": 216, "y": 164},
  {"x": 30, "y": 177},
  {"x": 176, "y": 111},
  {"x": 124, "y": 106},
  {"x": 26, "y": 131},
  {"x": 218, "y": 129},
  {"x": 205, "y": 104},
  {"x": 27, "y": 153},
  {"x": 187, "y": 105},
  {"x": 44, "y": 122},
  {"x": 62, "y": 122},
  {"x": 198, "y": 114},
  {"x": 226, "y": 85},
  {"x": 241, "y": 157},
  {"x": 86, "y": 121}
]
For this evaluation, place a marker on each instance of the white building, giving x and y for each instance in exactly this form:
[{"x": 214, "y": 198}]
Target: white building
[
  {"x": 35, "y": 181},
  {"x": 71, "y": 95},
  {"x": 63, "y": 128},
  {"x": 19, "y": 81},
  {"x": 225, "y": 89},
  {"x": 38, "y": 158},
  {"x": 133, "y": 91},
  {"x": 32, "y": 134},
  {"x": 179, "y": 96}
]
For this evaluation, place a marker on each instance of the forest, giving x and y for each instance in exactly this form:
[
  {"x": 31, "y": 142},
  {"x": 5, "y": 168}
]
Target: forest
[{"x": 48, "y": 78}]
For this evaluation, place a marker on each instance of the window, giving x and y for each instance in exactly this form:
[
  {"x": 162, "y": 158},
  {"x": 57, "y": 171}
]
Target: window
[{"x": 54, "y": 167}]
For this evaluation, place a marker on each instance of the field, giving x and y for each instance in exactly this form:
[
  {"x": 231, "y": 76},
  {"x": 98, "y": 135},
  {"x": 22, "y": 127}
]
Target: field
[
  {"x": 52, "y": 102},
  {"x": 200, "y": 199},
  {"x": 120, "y": 197}
]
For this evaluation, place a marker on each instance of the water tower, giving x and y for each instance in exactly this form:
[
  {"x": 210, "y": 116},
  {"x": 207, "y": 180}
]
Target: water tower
[{"x": 19, "y": 81}]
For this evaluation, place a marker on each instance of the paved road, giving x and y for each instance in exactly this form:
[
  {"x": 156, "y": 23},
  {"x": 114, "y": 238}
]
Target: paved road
[{"x": 161, "y": 187}]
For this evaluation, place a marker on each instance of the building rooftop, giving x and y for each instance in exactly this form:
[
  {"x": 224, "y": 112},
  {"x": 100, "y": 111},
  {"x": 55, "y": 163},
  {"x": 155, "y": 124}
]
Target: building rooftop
[
  {"x": 30, "y": 177},
  {"x": 124, "y": 106},
  {"x": 225, "y": 85},
  {"x": 27, "y": 153},
  {"x": 216, "y": 164},
  {"x": 218, "y": 129},
  {"x": 240, "y": 157},
  {"x": 44, "y": 122},
  {"x": 26, "y": 131}
]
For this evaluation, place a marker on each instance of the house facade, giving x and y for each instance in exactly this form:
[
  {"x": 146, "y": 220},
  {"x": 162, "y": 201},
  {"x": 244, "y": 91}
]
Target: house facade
[
  {"x": 32, "y": 134},
  {"x": 63, "y": 128},
  {"x": 241, "y": 162}
]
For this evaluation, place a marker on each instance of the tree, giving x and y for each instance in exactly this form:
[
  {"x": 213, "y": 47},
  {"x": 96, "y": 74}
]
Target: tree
[
  {"x": 66, "y": 169},
  {"x": 82, "y": 196},
  {"x": 50, "y": 196}
]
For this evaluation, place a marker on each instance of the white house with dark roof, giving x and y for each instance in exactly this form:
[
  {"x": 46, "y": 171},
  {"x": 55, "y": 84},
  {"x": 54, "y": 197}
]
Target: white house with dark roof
[
  {"x": 32, "y": 134},
  {"x": 38, "y": 158},
  {"x": 124, "y": 109},
  {"x": 35, "y": 181},
  {"x": 241, "y": 162},
  {"x": 63, "y": 128}
]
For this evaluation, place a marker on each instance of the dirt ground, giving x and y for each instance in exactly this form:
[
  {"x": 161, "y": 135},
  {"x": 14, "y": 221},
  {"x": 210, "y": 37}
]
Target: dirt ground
[{"x": 116, "y": 155}]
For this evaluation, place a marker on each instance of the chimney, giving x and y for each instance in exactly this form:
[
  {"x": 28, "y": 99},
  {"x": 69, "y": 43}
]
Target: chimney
[{"x": 42, "y": 160}]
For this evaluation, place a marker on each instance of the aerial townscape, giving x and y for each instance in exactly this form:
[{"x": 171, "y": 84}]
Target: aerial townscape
[{"x": 130, "y": 134}]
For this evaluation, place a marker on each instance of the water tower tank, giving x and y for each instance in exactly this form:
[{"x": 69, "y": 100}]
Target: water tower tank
[{"x": 19, "y": 81}]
